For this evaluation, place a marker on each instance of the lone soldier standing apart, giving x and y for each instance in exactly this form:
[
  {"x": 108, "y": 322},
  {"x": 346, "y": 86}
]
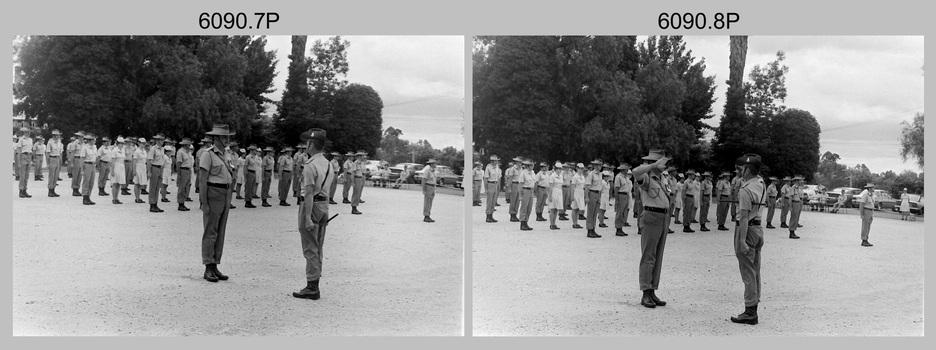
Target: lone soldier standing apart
[
  {"x": 866, "y": 202},
  {"x": 654, "y": 221},
  {"x": 749, "y": 236},
  {"x": 706, "y": 201},
  {"x": 622, "y": 190},
  {"x": 796, "y": 205},
  {"x": 490, "y": 178},
  {"x": 285, "y": 175},
  {"x": 428, "y": 188},
  {"x": 54, "y": 147},
  {"x": 157, "y": 159},
  {"x": 772, "y": 200},
  {"x": 25, "y": 145},
  {"x": 313, "y": 212},
  {"x": 214, "y": 197}
]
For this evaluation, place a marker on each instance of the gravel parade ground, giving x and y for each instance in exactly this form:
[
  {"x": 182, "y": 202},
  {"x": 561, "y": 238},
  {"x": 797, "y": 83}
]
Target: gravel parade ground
[
  {"x": 120, "y": 270},
  {"x": 558, "y": 282}
]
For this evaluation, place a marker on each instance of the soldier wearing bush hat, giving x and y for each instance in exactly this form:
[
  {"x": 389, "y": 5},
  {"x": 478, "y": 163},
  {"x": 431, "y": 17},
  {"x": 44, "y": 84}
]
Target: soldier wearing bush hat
[
  {"x": 653, "y": 223},
  {"x": 54, "y": 149},
  {"x": 772, "y": 192},
  {"x": 335, "y": 168},
  {"x": 477, "y": 180},
  {"x": 357, "y": 171},
  {"x": 105, "y": 160},
  {"x": 749, "y": 236},
  {"x": 622, "y": 196},
  {"x": 541, "y": 190},
  {"x": 313, "y": 212},
  {"x": 723, "y": 193},
  {"x": 299, "y": 160},
  {"x": 429, "y": 182},
  {"x": 25, "y": 147},
  {"x": 157, "y": 160},
  {"x": 526, "y": 183},
  {"x": 866, "y": 203},
  {"x": 491, "y": 178},
  {"x": 796, "y": 205},
  {"x": 216, "y": 183},
  {"x": 348, "y": 169},
  {"x": 786, "y": 194},
  {"x": 186, "y": 161},
  {"x": 39, "y": 150},
  {"x": 285, "y": 175}
]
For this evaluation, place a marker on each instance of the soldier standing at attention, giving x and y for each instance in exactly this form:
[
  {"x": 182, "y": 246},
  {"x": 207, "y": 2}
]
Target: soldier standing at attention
[
  {"x": 118, "y": 176},
  {"x": 285, "y": 175},
  {"x": 578, "y": 194},
  {"x": 139, "y": 162},
  {"x": 348, "y": 176},
  {"x": 593, "y": 185},
  {"x": 679, "y": 190},
  {"x": 169, "y": 151},
  {"x": 655, "y": 223},
  {"x": 299, "y": 160},
  {"x": 604, "y": 200},
  {"x": 786, "y": 194},
  {"x": 54, "y": 149},
  {"x": 250, "y": 178},
  {"x": 89, "y": 156},
  {"x": 39, "y": 151},
  {"x": 512, "y": 179},
  {"x": 706, "y": 201},
  {"x": 184, "y": 181},
  {"x": 567, "y": 174},
  {"x": 105, "y": 160},
  {"x": 25, "y": 146},
  {"x": 796, "y": 204},
  {"x": 772, "y": 200},
  {"x": 157, "y": 160},
  {"x": 268, "y": 164},
  {"x": 490, "y": 178},
  {"x": 541, "y": 190},
  {"x": 508, "y": 180},
  {"x": 215, "y": 183},
  {"x": 723, "y": 191},
  {"x": 240, "y": 168},
  {"x": 555, "y": 194},
  {"x": 357, "y": 172},
  {"x": 622, "y": 193},
  {"x": 77, "y": 164},
  {"x": 749, "y": 237},
  {"x": 866, "y": 203},
  {"x": 477, "y": 179},
  {"x": 690, "y": 194},
  {"x": 335, "y": 167},
  {"x": 313, "y": 213},
  {"x": 129, "y": 148},
  {"x": 526, "y": 183},
  {"x": 429, "y": 182},
  {"x": 69, "y": 155},
  {"x": 735, "y": 187}
]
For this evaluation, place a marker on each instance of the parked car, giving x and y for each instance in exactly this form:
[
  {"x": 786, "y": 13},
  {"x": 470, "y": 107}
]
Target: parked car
[
  {"x": 448, "y": 177},
  {"x": 883, "y": 200},
  {"x": 850, "y": 193},
  {"x": 371, "y": 167},
  {"x": 396, "y": 170},
  {"x": 916, "y": 204}
]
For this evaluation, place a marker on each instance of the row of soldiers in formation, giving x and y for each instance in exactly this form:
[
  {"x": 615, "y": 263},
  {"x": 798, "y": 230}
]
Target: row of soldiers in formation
[
  {"x": 150, "y": 165},
  {"x": 588, "y": 191}
]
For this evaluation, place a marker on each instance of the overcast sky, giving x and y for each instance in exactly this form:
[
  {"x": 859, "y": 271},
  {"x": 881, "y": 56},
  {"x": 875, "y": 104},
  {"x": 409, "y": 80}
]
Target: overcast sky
[
  {"x": 859, "y": 88},
  {"x": 421, "y": 80}
]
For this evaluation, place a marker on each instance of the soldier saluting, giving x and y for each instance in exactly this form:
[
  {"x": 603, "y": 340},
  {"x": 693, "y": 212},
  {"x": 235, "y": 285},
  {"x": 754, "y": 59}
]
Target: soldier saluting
[{"x": 654, "y": 222}]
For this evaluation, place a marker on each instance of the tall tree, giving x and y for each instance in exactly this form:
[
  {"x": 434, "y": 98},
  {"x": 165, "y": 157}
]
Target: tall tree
[
  {"x": 911, "y": 140},
  {"x": 730, "y": 136},
  {"x": 294, "y": 110},
  {"x": 358, "y": 119},
  {"x": 767, "y": 87},
  {"x": 794, "y": 149}
]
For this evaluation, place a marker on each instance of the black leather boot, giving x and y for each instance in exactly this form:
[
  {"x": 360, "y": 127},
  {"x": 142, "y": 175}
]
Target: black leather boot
[
  {"x": 646, "y": 300},
  {"x": 75, "y": 193},
  {"x": 490, "y": 218},
  {"x": 428, "y": 219},
  {"x": 265, "y": 204},
  {"x": 593, "y": 234},
  {"x": 514, "y": 218},
  {"x": 87, "y": 200},
  {"x": 749, "y": 316},
  {"x": 620, "y": 232},
  {"x": 155, "y": 209},
  {"x": 311, "y": 291},
  {"x": 539, "y": 217},
  {"x": 221, "y": 276},
  {"x": 793, "y": 235},
  {"x": 355, "y": 211},
  {"x": 655, "y": 299},
  {"x": 865, "y": 243},
  {"x": 525, "y": 227},
  {"x": 210, "y": 274},
  {"x": 52, "y": 194}
]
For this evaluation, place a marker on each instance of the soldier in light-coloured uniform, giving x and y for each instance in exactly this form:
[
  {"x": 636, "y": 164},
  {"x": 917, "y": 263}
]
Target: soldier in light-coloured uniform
[
  {"x": 105, "y": 155},
  {"x": 593, "y": 185},
  {"x": 477, "y": 180},
  {"x": 90, "y": 157},
  {"x": 139, "y": 162},
  {"x": 796, "y": 205},
  {"x": 184, "y": 181},
  {"x": 654, "y": 224},
  {"x": 286, "y": 167},
  {"x": 491, "y": 175},
  {"x": 772, "y": 200},
  {"x": 749, "y": 236},
  {"x": 216, "y": 184},
  {"x": 268, "y": 165},
  {"x": 313, "y": 212},
  {"x": 357, "y": 172},
  {"x": 526, "y": 182},
  {"x": 706, "y": 201},
  {"x": 429, "y": 182},
  {"x": 39, "y": 152},
  {"x": 335, "y": 167},
  {"x": 25, "y": 148},
  {"x": 866, "y": 202},
  {"x": 156, "y": 158},
  {"x": 541, "y": 191},
  {"x": 622, "y": 193},
  {"x": 54, "y": 152},
  {"x": 348, "y": 177},
  {"x": 118, "y": 176},
  {"x": 555, "y": 198}
]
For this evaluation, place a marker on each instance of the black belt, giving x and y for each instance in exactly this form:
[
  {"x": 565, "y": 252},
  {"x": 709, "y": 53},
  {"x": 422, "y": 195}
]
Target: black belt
[
  {"x": 754, "y": 222},
  {"x": 516, "y": 182},
  {"x": 541, "y": 186},
  {"x": 771, "y": 196},
  {"x": 493, "y": 182},
  {"x": 53, "y": 156},
  {"x": 477, "y": 180},
  {"x": 688, "y": 195},
  {"x": 565, "y": 186},
  {"x": 251, "y": 171},
  {"x": 104, "y": 161},
  {"x": 796, "y": 201},
  {"x": 268, "y": 170},
  {"x": 320, "y": 198},
  {"x": 156, "y": 166},
  {"x": 624, "y": 193},
  {"x": 655, "y": 210},
  {"x": 528, "y": 188},
  {"x": 433, "y": 185},
  {"x": 287, "y": 171},
  {"x": 706, "y": 195},
  {"x": 724, "y": 196},
  {"x": 594, "y": 191},
  {"x": 358, "y": 176},
  {"x": 212, "y": 184},
  {"x": 89, "y": 162},
  {"x": 183, "y": 168}
]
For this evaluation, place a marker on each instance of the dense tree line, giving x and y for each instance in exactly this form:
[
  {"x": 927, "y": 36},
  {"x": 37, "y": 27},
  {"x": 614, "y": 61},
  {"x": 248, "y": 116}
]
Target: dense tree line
[
  {"x": 582, "y": 97},
  {"x": 394, "y": 149},
  {"x": 143, "y": 85}
]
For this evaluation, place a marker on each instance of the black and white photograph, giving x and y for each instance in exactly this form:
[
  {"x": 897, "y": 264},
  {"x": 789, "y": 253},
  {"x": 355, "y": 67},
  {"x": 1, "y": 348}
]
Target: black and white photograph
[
  {"x": 184, "y": 185},
  {"x": 697, "y": 186}
]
